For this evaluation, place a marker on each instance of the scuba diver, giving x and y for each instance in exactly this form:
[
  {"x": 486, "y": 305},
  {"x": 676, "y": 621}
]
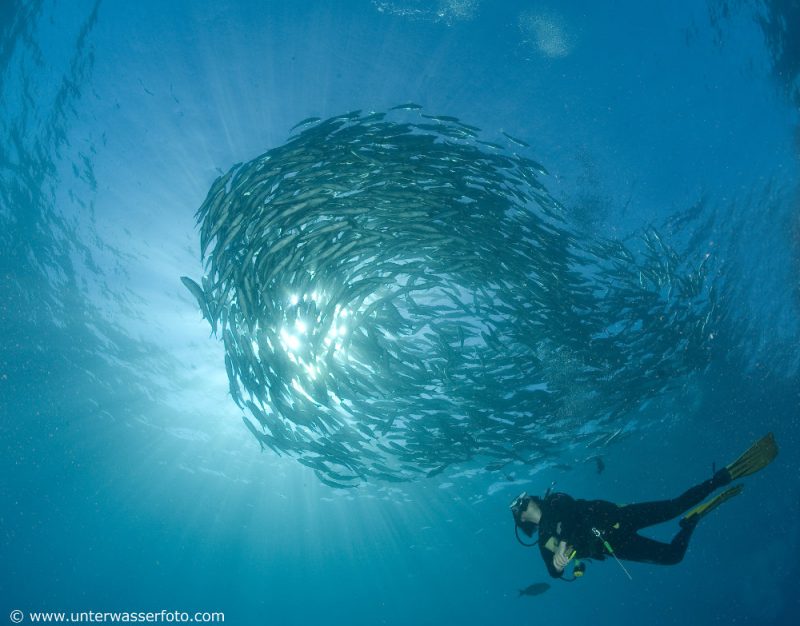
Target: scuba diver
[{"x": 570, "y": 530}]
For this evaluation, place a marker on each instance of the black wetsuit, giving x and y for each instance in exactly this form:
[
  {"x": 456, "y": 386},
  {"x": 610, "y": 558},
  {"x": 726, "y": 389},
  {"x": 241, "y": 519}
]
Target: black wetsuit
[{"x": 572, "y": 521}]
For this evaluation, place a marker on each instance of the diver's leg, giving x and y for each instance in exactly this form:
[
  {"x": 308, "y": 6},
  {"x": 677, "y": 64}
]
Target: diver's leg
[
  {"x": 645, "y": 514},
  {"x": 644, "y": 550}
]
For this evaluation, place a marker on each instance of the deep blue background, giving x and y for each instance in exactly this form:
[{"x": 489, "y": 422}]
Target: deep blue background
[{"x": 127, "y": 481}]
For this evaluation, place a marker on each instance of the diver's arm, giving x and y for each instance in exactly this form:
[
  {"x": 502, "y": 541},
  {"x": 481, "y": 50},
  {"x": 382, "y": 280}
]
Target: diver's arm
[
  {"x": 561, "y": 557},
  {"x": 560, "y": 508},
  {"x": 555, "y": 554},
  {"x": 551, "y": 568},
  {"x": 547, "y": 549}
]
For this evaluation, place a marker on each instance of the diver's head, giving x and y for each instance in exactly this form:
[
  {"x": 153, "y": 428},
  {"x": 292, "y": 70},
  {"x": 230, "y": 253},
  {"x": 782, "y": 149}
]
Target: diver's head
[{"x": 526, "y": 512}]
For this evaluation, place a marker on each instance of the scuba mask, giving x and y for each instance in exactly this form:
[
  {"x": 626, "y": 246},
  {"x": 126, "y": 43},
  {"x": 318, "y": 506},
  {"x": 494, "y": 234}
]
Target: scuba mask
[{"x": 518, "y": 506}]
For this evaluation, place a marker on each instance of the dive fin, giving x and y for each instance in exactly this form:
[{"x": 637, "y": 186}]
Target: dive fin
[
  {"x": 757, "y": 457},
  {"x": 701, "y": 510}
]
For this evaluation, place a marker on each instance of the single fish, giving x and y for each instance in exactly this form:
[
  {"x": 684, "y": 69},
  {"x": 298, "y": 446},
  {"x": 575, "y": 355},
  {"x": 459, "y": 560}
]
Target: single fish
[
  {"x": 308, "y": 120},
  {"x": 410, "y": 106},
  {"x": 197, "y": 291},
  {"x": 254, "y": 431},
  {"x": 519, "y": 142},
  {"x": 535, "y": 589},
  {"x": 600, "y": 465}
]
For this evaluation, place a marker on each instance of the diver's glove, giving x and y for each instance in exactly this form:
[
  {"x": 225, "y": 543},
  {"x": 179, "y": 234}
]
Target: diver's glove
[{"x": 562, "y": 556}]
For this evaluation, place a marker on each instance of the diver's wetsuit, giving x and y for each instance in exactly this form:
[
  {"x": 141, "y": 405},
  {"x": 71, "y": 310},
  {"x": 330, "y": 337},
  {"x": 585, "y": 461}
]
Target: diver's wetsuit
[{"x": 569, "y": 520}]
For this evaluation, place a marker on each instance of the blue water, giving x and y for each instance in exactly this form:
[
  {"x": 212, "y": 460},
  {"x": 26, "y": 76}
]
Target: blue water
[{"x": 127, "y": 480}]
